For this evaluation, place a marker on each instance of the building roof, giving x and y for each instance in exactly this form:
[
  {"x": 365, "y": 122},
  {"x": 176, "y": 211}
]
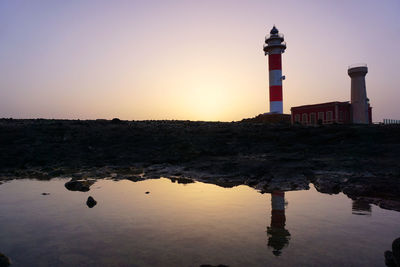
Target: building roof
[{"x": 322, "y": 104}]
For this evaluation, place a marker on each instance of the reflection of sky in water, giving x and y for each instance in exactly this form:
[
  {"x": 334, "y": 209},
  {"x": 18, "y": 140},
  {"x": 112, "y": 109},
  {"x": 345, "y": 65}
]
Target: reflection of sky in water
[{"x": 186, "y": 225}]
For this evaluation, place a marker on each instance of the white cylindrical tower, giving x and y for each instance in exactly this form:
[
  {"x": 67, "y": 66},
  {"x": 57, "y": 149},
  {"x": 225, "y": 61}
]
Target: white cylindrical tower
[
  {"x": 274, "y": 47},
  {"x": 359, "y": 100}
]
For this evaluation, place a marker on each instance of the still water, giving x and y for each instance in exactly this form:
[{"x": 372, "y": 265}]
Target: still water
[{"x": 188, "y": 225}]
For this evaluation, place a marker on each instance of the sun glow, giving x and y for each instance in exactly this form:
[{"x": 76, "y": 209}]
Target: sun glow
[{"x": 206, "y": 101}]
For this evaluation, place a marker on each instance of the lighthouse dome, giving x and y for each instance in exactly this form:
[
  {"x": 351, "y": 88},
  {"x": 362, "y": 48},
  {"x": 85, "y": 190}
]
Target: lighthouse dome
[{"x": 274, "y": 30}]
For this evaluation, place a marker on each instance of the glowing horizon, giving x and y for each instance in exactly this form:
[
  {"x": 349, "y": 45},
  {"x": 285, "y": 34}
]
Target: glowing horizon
[{"x": 184, "y": 60}]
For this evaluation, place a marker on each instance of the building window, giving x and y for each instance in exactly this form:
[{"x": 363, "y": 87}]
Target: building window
[
  {"x": 304, "y": 118},
  {"x": 329, "y": 116},
  {"x": 341, "y": 115},
  {"x": 313, "y": 120},
  {"x": 297, "y": 118},
  {"x": 320, "y": 117}
]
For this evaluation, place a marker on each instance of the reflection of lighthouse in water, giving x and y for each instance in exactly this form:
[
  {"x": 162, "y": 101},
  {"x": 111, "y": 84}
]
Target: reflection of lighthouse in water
[{"x": 278, "y": 236}]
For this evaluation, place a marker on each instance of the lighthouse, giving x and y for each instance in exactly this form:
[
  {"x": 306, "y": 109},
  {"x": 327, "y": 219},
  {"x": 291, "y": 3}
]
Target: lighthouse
[{"x": 274, "y": 47}]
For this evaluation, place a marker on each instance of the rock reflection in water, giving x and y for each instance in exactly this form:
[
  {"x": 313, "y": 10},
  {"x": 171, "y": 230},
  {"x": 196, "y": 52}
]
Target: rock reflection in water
[
  {"x": 278, "y": 236},
  {"x": 361, "y": 207},
  {"x": 79, "y": 185},
  {"x": 91, "y": 202}
]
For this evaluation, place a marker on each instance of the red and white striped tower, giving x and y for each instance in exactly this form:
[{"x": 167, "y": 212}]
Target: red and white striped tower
[
  {"x": 274, "y": 47},
  {"x": 278, "y": 236}
]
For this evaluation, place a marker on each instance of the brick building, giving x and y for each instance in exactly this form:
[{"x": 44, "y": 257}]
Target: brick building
[{"x": 325, "y": 113}]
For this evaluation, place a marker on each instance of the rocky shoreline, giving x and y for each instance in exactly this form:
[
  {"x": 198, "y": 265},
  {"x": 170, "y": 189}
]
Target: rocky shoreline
[{"x": 363, "y": 162}]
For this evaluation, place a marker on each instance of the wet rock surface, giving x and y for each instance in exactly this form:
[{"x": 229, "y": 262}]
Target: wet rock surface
[{"x": 363, "y": 162}]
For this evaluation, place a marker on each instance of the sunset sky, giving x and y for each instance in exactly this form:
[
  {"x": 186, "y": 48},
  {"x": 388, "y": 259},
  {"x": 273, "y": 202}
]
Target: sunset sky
[{"x": 194, "y": 60}]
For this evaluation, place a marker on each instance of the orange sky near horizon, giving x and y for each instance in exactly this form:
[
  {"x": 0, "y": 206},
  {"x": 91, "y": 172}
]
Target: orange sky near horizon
[{"x": 190, "y": 60}]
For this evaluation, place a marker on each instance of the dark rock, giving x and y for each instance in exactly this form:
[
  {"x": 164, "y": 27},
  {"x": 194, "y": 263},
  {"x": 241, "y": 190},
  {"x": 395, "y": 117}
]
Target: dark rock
[
  {"x": 392, "y": 258},
  {"x": 327, "y": 186},
  {"x": 91, "y": 202},
  {"x": 134, "y": 178},
  {"x": 79, "y": 185},
  {"x": 389, "y": 204},
  {"x": 181, "y": 180},
  {"x": 45, "y": 194},
  {"x": 396, "y": 251},
  {"x": 358, "y": 190},
  {"x": 389, "y": 259},
  {"x": 4, "y": 260},
  {"x": 56, "y": 173},
  {"x": 136, "y": 171}
]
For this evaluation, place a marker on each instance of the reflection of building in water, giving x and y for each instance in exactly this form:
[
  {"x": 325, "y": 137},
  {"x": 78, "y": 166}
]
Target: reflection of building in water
[
  {"x": 361, "y": 207},
  {"x": 278, "y": 236}
]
